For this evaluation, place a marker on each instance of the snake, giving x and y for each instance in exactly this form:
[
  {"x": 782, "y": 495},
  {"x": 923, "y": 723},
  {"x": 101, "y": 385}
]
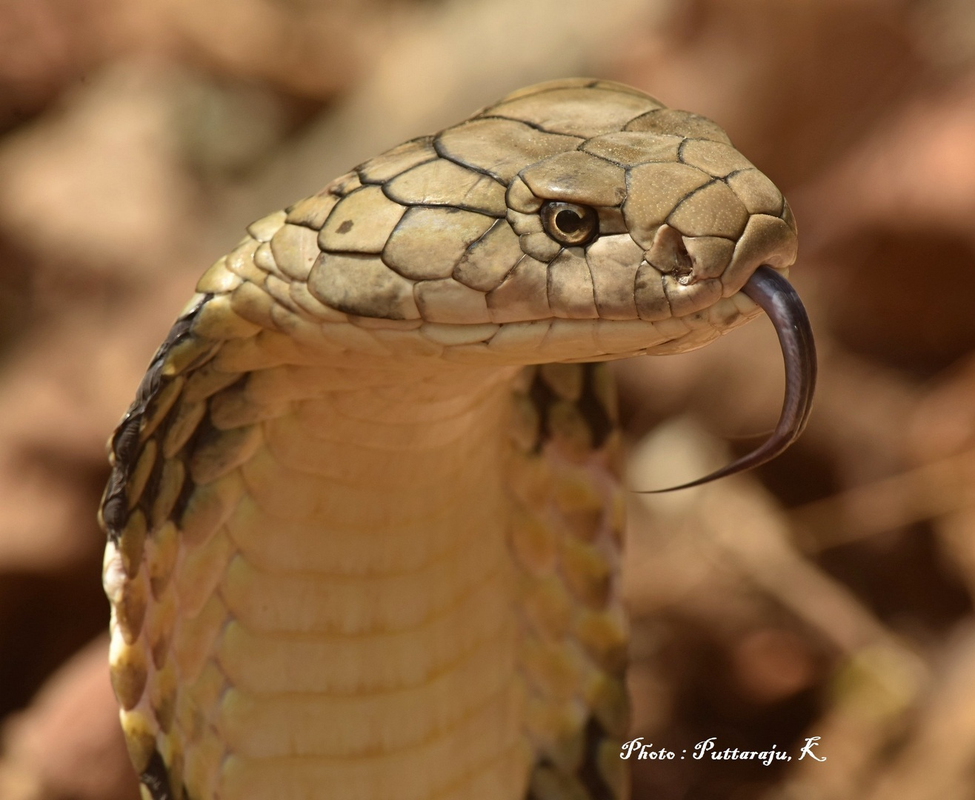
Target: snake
[{"x": 365, "y": 515}]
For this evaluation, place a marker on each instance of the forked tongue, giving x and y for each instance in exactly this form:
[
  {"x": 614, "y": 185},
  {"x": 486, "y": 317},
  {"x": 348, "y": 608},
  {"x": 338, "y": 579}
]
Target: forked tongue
[{"x": 775, "y": 295}]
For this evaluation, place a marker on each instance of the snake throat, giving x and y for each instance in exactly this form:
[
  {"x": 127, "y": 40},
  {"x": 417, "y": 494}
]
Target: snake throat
[{"x": 773, "y": 293}]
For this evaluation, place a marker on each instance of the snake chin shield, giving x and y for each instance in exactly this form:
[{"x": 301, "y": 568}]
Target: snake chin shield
[{"x": 364, "y": 518}]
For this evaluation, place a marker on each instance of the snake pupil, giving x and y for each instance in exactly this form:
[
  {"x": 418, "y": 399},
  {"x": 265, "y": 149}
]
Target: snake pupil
[
  {"x": 568, "y": 221},
  {"x": 569, "y": 224}
]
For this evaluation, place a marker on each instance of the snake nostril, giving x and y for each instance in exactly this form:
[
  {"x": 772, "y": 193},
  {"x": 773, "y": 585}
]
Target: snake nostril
[
  {"x": 668, "y": 254},
  {"x": 682, "y": 257}
]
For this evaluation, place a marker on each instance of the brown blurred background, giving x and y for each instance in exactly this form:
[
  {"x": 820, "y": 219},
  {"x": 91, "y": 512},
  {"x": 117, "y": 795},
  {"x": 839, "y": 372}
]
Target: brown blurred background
[{"x": 829, "y": 594}]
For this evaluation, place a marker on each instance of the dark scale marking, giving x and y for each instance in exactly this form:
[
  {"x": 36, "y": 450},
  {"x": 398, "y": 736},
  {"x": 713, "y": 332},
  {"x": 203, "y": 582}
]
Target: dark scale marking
[
  {"x": 205, "y": 432},
  {"x": 542, "y": 398},
  {"x": 148, "y": 496},
  {"x": 183, "y": 498},
  {"x": 203, "y": 429},
  {"x": 547, "y": 763},
  {"x": 155, "y": 778},
  {"x": 177, "y": 333},
  {"x": 125, "y": 453},
  {"x": 346, "y": 226},
  {"x": 589, "y": 772},
  {"x": 114, "y": 516},
  {"x": 125, "y": 440},
  {"x": 148, "y": 386},
  {"x": 599, "y": 419}
]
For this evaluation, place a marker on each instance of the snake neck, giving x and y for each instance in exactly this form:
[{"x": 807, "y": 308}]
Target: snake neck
[
  {"x": 364, "y": 630},
  {"x": 410, "y": 458}
]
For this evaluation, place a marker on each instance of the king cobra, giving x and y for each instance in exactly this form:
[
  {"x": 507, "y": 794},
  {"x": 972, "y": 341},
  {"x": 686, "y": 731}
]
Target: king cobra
[{"x": 364, "y": 520}]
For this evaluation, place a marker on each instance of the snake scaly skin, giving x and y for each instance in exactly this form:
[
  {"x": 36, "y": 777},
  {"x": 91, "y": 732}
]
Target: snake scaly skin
[{"x": 364, "y": 518}]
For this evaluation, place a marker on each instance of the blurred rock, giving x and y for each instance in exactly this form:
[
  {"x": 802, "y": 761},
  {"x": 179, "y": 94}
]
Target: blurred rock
[
  {"x": 772, "y": 664},
  {"x": 46, "y": 45},
  {"x": 943, "y": 421},
  {"x": 102, "y": 181},
  {"x": 892, "y": 237},
  {"x": 304, "y": 47}
]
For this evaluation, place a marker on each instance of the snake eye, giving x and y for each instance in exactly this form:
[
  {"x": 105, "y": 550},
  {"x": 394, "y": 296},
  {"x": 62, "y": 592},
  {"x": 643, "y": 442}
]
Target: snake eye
[{"x": 569, "y": 224}]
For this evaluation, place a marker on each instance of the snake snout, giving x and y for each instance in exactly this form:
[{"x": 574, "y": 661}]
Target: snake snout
[{"x": 766, "y": 241}]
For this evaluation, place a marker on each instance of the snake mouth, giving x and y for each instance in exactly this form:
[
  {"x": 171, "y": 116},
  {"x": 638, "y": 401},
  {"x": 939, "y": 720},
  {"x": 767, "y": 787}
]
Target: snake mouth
[{"x": 770, "y": 290}]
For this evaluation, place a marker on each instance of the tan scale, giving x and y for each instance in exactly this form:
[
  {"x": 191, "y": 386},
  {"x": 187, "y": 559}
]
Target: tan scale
[{"x": 360, "y": 545}]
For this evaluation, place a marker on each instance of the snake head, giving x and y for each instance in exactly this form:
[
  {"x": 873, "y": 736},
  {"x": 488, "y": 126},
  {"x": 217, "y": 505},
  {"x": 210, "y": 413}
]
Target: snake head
[
  {"x": 576, "y": 220},
  {"x": 661, "y": 220},
  {"x": 666, "y": 220},
  {"x": 556, "y": 214}
]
